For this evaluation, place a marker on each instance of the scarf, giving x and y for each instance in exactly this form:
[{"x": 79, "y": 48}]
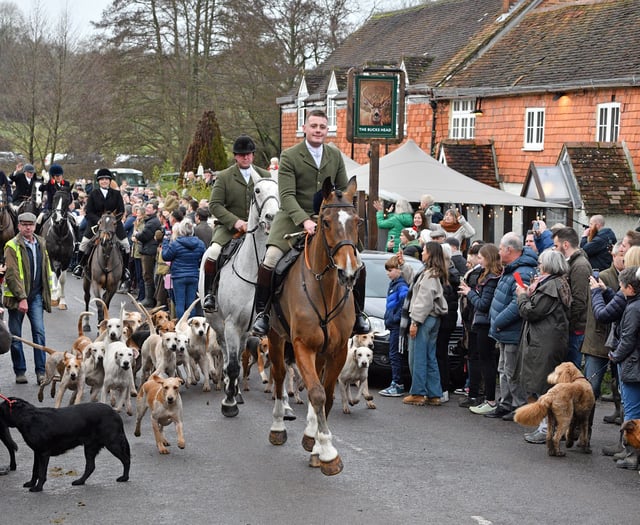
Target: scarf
[{"x": 452, "y": 228}]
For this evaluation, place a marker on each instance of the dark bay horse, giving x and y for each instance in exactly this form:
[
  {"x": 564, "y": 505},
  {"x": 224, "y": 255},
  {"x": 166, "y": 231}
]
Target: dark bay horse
[
  {"x": 7, "y": 222},
  {"x": 316, "y": 303},
  {"x": 58, "y": 235},
  {"x": 105, "y": 264}
]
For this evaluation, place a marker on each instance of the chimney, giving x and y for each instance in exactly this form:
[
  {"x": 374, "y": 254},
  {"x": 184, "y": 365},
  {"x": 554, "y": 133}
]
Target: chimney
[{"x": 507, "y": 4}]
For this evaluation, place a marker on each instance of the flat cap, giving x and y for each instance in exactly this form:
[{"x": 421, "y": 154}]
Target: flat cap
[{"x": 26, "y": 217}]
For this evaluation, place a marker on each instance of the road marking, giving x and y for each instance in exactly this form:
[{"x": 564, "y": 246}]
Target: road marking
[{"x": 481, "y": 520}]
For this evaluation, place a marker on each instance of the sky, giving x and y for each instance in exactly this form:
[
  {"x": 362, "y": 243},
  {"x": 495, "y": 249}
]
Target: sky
[{"x": 81, "y": 11}]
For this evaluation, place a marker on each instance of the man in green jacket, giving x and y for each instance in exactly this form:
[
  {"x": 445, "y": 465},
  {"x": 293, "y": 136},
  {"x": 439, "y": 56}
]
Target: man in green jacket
[
  {"x": 27, "y": 290},
  {"x": 229, "y": 204},
  {"x": 303, "y": 169}
]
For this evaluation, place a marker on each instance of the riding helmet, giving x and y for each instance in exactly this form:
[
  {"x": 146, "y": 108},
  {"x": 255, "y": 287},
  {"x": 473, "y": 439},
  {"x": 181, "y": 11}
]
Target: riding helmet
[
  {"x": 104, "y": 173},
  {"x": 243, "y": 145},
  {"x": 56, "y": 169}
]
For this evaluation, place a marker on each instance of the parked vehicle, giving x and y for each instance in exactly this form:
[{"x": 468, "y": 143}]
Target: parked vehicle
[{"x": 134, "y": 178}]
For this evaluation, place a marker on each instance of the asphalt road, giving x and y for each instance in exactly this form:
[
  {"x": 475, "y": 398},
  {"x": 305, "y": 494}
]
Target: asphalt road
[{"x": 402, "y": 464}]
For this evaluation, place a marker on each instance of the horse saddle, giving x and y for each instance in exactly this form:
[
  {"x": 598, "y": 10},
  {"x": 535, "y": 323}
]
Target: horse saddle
[
  {"x": 285, "y": 264},
  {"x": 225, "y": 256}
]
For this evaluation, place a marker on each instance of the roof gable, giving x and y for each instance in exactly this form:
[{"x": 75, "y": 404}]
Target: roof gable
[{"x": 473, "y": 158}]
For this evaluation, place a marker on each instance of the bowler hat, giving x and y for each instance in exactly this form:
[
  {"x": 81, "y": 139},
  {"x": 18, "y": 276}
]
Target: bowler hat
[
  {"x": 29, "y": 168},
  {"x": 27, "y": 216},
  {"x": 56, "y": 169},
  {"x": 243, "y": 145}
]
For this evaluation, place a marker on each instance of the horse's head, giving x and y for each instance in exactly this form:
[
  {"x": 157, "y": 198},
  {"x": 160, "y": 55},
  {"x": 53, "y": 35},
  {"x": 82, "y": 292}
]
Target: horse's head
[
  {"x": 107, "y": 228},
  {"x": 60, "y": 206},
  {"x": 265, "y": 202},
  {"x": 3, "y": 198},
  {"x": 338, "y": 228}
]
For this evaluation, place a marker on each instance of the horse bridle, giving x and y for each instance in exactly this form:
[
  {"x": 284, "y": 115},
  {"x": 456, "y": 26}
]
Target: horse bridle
[{"x": 261, "y": 206}]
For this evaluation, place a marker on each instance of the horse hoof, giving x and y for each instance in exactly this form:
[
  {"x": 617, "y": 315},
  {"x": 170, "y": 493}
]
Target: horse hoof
[
  {"x": 229, "y": 410},
  {"x": 62, "y": 306},
  {"x": 308, "y": 442},
  {"x": 314, "y": 461},
  {"x": 331, "y": 468},
  {"x": 278, "y": 437},
  {"x": 289, "y": 414}
]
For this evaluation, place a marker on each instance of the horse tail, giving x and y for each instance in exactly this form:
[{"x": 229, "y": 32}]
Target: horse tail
[{"x": 80, "y": 318}]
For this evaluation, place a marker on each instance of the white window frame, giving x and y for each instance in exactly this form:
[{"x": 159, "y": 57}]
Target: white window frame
[
  {"x": 608, "y": 122},
  {"x": 301, "y": 110},
  {"x": 462, "y": 120},
  {"x": 332, "y": 114},
  {"x": 534, "y": 119}
]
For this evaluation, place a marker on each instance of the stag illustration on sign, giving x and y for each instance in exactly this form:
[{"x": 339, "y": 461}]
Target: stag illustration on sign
[{"x": 375, "y": 103}]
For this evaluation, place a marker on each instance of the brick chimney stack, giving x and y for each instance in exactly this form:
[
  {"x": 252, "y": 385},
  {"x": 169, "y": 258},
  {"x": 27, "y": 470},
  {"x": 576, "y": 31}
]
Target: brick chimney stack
[{"x": 507, "y": 4}]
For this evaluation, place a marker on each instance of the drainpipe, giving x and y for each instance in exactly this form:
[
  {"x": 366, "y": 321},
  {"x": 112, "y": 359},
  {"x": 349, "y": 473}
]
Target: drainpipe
[{"x": 434, "y": 106}]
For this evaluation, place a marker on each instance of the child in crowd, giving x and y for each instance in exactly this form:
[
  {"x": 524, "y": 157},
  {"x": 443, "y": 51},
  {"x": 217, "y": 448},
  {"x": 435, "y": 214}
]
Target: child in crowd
[{"x": 396, "y": 294}]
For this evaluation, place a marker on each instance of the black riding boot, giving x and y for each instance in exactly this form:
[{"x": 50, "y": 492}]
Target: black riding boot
[
  {"x": 263, "y": 292},
  {"x": 125, "y": 280},
  {"x": 210, "y": 271},
  {"x": 362, "y": 324},
  {"x": 77, "y": 271}
]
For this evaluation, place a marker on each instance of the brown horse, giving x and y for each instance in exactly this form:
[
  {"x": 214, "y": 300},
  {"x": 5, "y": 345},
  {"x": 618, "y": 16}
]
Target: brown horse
[
  {"x": 7, "y": 223},
  {"x": 105, "y": 264},
  {"x": 318, "y": 314}
]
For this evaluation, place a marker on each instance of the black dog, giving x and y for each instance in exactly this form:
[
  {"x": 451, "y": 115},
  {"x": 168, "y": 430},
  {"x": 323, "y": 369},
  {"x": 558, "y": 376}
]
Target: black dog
[
  {"x": 5, "y": 437},
  {"x": 53, "y": 431}
]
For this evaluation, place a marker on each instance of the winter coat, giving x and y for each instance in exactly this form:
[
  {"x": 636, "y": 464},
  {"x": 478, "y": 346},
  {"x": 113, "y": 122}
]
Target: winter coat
[
  {"x": 147, "y": 237},
  {"x": 578, "y": 276},
  {"x": 412, "y": 249},
  {"x": 427, "y": 298},
  {"x": 394, "y": 223},
  {"x": 596, "y": 332},
  {"x": 299, "y": 179},
  {"x": 545, "y": 333},
  {"x": 481, "y": 298},
  {"x": 450, "y": 291},
  {"x": 543, "y": 241},
  {"x": 185, "y": 254},
  {"x": 467, "y": 310},
  {"x": 627, "y": 352},
  {"x": 396, "y": 293},
  {"x": 50, "y": 188},
  {"x": 24, "y": 187},
  {"x": 17, "y": 262},
  {"x": 506, "y": 323},
  {"x": 97, "y": 205},
  {"x": 231, "y": 201},
  {"x": 598, "y": 248}
]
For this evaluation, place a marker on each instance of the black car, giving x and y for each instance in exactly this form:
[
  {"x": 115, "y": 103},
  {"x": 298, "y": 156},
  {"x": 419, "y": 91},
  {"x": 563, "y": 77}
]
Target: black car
[{"x": 375, "y": 303}]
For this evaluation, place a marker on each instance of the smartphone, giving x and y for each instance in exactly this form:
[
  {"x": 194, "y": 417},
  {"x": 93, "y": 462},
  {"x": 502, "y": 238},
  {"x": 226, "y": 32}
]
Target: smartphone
[
  {"x": 596, "y": 274},
  {"x": 536, "y": 226}
]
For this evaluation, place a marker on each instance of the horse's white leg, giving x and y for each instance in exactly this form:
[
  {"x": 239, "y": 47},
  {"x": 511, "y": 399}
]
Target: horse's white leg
[{"x": 62, "y": 305}]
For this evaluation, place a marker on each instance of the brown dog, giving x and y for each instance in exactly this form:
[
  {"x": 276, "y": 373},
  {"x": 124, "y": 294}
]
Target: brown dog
[
  {"x": 631, "y": 433},
  {"x": 567, "y": 406},
  {"x": 162, "y": 396}
]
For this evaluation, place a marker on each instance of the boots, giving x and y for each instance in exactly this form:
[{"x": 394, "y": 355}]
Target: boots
[
  {"x": 630, "y": 461},
  {"x": 612, "y": 450},
  {"x": 616, "y": 417},
  {"x": 77, "y": 271},
  {"x": 263, "y": 292},
  {"x": 362, "y": 324},
  {"x": 210, "y": 271},
  {"x": 149, "y": 300},
  {"x": 125, "y": 280}
]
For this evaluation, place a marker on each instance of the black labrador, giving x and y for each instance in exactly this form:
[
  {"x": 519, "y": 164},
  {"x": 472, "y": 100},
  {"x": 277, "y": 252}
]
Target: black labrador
[{"x": 53, "y": 431}]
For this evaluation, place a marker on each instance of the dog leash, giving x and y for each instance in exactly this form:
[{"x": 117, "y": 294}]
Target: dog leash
[
  {"x": 10, "y": 402},
  {"x": 597, "y": 372}
]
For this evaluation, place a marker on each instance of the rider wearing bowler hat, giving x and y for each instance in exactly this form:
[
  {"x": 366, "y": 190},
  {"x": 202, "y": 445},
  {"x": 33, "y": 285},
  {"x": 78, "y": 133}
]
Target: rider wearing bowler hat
[
  {"x": 229, "y": 204},
  {"x": 101, "y": 200}
]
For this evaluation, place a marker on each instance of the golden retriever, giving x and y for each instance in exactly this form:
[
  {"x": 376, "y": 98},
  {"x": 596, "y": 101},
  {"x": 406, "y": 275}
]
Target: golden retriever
[{"x": 567, "y": 406}]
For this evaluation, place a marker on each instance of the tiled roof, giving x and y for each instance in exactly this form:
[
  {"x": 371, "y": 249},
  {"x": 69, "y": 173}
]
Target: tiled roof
[
  {"x": 604, "y": 177},
  {"x": 437, "y": 34},
  {"x": 473, "y": 158},
  {"x": 576, "y": 42}
]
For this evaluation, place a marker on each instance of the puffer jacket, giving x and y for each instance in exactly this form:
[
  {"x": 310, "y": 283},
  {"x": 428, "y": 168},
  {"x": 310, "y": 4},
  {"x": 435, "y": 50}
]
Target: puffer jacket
[
  {"x": 598, "y": 249},
  {"x": 481, "y": 298},
  {"x": 146, "y": 238},
  {"x": 185, "y": 254},
  {"x": 627, "y": 353},
  {"x": 506, "y": 323},
  {"x": 395, "y": 223},
  {"x": 396, "y": 293}
]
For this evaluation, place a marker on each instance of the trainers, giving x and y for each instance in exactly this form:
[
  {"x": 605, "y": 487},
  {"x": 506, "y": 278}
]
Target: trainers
[
  {"x": 21, "y": 379},
  {"x": 483, "y": 408},
  {"x": 461, "y": 391},
  {"x": 415, "y": 400},
  {"x": 445, "y": 397},
  {"x": 435, "y": 401},
  {"x": 394, "y": 390},
  {"x": 470, "y": 402},
  {"x": 536, "y": 437}
]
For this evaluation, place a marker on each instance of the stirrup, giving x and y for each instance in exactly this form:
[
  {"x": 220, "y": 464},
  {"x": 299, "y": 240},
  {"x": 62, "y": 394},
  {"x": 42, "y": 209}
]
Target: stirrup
[
  {"x": 78, "y": 271},
  {"x": 362, "y": 325},
  {"x": 260, "y": 325},
  {"x": 209, "y": 303}
]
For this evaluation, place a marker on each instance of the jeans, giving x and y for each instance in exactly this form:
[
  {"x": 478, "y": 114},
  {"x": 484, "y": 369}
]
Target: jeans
[
  {"x": 137, "y": 264},
  {"x": 184, "y": 293},
  {"x": 512, "y": 395},
  {"x": 425, "y": 376},
  {"x": 395, "y": 359},
  {"x": 36, "y": 319},
  {"x": 630, "y": 393},
  {"x": 487, "y": 361},
  {"x": 573, "y": 350},
  {"x": 594, "y": 370}
]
